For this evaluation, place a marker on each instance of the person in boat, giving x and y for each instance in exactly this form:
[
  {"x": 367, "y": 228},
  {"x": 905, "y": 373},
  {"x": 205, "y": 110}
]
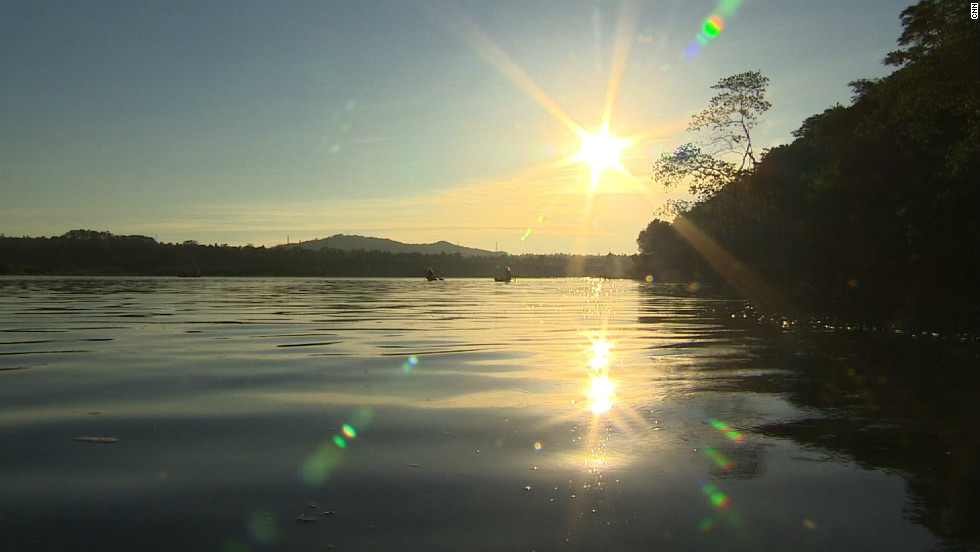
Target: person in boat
[
  {"x": 430, "y": 274},
  {"x": 506, "y": 276}
]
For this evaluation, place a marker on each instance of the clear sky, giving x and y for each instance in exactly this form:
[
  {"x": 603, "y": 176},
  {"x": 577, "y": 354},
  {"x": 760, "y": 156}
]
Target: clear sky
[{"x": 236, "y": 121}]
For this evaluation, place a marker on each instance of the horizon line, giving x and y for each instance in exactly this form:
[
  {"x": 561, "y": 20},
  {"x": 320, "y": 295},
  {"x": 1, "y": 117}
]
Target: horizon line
[{"x": 294, "y": 243}]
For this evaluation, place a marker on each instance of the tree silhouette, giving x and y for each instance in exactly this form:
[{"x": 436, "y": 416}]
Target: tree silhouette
[
  {"x": 733, "y": 113},
  {"x": 726, "y": 126},
  {"x": 871, "y": 214}
]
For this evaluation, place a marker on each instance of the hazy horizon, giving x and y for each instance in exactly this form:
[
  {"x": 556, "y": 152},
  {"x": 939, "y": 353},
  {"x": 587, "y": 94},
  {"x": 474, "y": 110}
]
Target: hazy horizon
[
  {"x": 247, "y": 122},
  {"x": 316, "y": 239}
]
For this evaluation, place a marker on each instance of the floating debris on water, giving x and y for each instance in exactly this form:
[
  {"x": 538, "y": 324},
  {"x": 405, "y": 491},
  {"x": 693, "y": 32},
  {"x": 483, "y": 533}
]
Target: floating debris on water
[{"x": 97, "y": 439}]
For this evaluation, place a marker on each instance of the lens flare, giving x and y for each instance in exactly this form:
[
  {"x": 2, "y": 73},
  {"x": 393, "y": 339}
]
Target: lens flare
[
  {"x": 341, "y": 127},
  {"x": 726, "y": 430},
  {"x": 715, "y": 495},
  {"x": 712, "y": 26},
  {"x": 409, "y": 364},
  {"x": 718, "y": 458},
  {"x": 317, "y": 468},
  {"x": 262, "y": 527},
  {"x": 601, "y": 388},
  {"x": 719, "y": 500}
]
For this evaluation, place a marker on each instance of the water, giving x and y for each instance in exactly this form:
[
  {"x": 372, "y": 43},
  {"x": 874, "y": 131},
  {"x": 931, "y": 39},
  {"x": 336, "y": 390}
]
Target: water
[{"x": 312, "y": 414}]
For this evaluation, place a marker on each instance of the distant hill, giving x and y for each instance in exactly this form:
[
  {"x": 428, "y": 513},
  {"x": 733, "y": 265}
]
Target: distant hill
[
  {"x": 352, "y": 243},
  {"x": 94, "y": 253}
]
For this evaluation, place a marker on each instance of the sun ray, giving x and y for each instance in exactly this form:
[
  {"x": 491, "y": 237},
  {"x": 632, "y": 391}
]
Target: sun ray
[
  {"x": 601, "y": 150},
  {"x": 466, "y": 30},
  {"x": 742, "y": 277},
  {"x": 625, "y": 30}
]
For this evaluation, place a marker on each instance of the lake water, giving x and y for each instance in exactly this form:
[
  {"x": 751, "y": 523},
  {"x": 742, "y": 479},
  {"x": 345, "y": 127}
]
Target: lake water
[{"x": 393, "y": 414}]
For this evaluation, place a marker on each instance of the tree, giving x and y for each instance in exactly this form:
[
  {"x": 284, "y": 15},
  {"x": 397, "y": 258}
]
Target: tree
[
  {"x": 704, "y": 173},
  {"x": 926, "y": 30},
  {"x": 871, "y": 214},
  {"x": 732, "y": 113},
  {"x": 727, "y": 123},
  {"x": 934, "y": 93}
]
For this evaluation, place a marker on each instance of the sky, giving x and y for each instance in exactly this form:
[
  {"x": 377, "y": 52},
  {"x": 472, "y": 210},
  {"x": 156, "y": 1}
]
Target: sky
[{"x": 260, "y": 122}]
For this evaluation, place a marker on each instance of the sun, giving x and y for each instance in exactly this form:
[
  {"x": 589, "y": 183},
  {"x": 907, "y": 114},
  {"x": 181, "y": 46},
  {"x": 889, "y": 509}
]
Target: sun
[{"x": 601, "y": 151}]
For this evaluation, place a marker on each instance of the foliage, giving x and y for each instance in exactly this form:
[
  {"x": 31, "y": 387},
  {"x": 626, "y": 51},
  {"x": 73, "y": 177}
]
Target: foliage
[
  {"x": 726, "y": 125},
  {"x": 732, "y": 113},
  {"x": 871, "y": 213},
  {"x": 704, "y": 173}
]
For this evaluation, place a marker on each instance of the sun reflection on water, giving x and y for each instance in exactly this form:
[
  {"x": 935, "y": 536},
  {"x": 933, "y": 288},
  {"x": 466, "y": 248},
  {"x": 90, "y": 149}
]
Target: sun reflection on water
[
  {"x": 601, "y": 393},
  {"x": 601, "y": 388},
  {"x": 602, "y": 396}
]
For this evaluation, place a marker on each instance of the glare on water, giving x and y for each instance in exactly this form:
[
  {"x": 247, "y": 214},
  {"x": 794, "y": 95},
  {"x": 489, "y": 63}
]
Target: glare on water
[{"x": 599, "y": 412}]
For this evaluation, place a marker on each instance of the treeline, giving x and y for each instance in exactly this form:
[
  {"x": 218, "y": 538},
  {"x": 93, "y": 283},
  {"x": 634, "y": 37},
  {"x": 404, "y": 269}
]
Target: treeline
[
  {"x": 94, "y": 253},
  {"x": 871, "y": 213}
]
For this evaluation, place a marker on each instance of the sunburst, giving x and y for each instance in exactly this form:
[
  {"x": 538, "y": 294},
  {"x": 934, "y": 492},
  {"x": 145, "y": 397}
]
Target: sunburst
[{"x": 601, "y": 151}]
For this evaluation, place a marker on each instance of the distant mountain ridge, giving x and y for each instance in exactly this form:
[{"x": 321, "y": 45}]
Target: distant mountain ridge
[{"x": 346, "y": 242}]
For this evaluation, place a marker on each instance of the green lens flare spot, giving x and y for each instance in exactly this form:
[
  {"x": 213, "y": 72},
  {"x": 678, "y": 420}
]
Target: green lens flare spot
[
  {"x": 712, "y": 26},
  {"x": 316, "y": 469}
]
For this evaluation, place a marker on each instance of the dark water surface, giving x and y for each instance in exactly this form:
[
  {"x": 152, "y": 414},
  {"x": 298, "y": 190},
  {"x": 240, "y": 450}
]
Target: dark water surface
[{"x": 311, "y": 414}]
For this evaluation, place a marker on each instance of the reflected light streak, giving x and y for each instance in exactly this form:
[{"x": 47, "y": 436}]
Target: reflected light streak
[
  {"x": 601, "y": 388},
  {"x": 600, "y": 356},
  {"x": 601, "y": 393}
]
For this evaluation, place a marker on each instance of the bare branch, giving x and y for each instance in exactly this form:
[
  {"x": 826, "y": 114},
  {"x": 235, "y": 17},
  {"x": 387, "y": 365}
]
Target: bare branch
[
  {"x": 733, "y": 113},
  {"x": 727, "y": 123}
]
